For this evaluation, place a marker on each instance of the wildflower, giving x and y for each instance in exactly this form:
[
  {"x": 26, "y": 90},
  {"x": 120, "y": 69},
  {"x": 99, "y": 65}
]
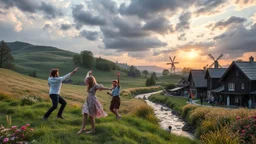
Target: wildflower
[
  {"x": 22, "y": 135},
  {"x": 27, "y": 125},
  {"x": 32, "y": 129},
  {"x": 243, "y": 131},
  {"x": 14, "y": 127},
  {"x": 23, "y": 128},
  {"x": 6, "y": 140},
  {"x": 12, "y": 138},
  {"x": 238, "y": 117}
]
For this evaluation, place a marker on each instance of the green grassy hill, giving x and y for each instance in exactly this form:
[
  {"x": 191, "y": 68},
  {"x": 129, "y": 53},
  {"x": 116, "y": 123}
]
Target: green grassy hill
[
  {"x": 16, "y": 88},
  {"x": 42, "y": 59}
]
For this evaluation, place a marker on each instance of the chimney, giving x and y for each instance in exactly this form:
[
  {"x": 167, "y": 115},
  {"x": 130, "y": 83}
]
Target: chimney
[{"x": 251, "y": 59}]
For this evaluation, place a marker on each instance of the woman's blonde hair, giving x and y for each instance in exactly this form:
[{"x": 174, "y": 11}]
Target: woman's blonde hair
[{"x": 91, "y": 82}]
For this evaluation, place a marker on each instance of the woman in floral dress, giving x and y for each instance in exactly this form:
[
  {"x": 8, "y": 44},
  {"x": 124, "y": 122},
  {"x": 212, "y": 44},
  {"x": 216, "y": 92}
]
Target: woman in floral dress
[{"x": 92, "y": 107}]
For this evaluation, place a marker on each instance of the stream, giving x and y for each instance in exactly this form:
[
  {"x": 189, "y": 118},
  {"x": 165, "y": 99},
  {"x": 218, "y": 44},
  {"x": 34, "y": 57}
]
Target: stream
[{"x": 164, "y": 114}]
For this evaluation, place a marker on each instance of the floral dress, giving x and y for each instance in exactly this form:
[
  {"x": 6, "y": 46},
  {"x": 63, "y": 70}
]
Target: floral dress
[{"x": 92, "y": 106}]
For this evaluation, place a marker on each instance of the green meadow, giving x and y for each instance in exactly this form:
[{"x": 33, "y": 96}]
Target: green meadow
[{"x": 25, "y": 100}]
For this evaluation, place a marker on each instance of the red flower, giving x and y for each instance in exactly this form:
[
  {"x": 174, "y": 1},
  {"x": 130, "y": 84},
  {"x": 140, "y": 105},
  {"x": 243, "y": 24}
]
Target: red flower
[
  {"x": 238, "y": 117},
  {"x": 243, "y": 131},
  {"x": 27, "y": 125},
  {"x": 23, "y": 128}
]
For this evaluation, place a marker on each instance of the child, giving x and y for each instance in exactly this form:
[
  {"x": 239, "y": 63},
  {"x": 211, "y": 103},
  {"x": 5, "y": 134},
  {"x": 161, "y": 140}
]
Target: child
[
  {"x": 92, "y": 107},
  {"x": 115, "y": 102},
  {"x": 55, "y": 83}
]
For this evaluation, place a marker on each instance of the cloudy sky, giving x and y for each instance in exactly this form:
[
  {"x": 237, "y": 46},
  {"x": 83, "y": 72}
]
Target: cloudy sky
[{"x": 138, "y": 32}]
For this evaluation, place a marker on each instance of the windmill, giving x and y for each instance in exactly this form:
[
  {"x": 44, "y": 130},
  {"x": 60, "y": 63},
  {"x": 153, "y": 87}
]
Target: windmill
[
  {"x": 205, "y": 67},
  {"x": 172, "y": 63},
  {"x": 215, "y": 63}
]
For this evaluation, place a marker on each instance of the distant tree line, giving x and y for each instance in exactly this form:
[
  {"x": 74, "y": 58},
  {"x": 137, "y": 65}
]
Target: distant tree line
[
  {"x": 86, "y": 59},
  {"x": 133, "y": 72}
]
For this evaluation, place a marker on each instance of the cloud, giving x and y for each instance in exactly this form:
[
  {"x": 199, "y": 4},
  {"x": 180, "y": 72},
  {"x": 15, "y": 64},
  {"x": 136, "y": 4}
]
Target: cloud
[
  {"x": 201, "y": 46},
  {"x": 208, "y": 6},
  {"x": 226, "y": 23},
  {"x": 90, "y": 35},
  {"x": 182, "y": 37},
  {"x": 33, "y": 6},
  {"x": 236, "y": 41},
  {"x": 109, "y": 5},
  {"x": 147, "y": 8},
  {"x": 133, "y": 44},
  {"x": 184, "y": 21},
  {"x": 50, "y": 11},
  {"x": 24, "y": 5},
  {"x": 82, "y": 17},
  {"x": 65, "y": 26},
  {"x": 244, "y": 3},
  {"x": 200, "y": 36},
  {"x": 159, "y": 25},
  {"x": 47, "y": 26}
]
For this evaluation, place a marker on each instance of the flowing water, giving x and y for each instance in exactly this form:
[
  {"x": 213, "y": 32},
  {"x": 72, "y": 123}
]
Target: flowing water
[{"x": 164, "y": 114}]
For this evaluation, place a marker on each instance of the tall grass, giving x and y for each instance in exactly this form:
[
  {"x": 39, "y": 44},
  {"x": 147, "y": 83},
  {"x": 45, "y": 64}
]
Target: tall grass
[{"x": 147, "y": 113}]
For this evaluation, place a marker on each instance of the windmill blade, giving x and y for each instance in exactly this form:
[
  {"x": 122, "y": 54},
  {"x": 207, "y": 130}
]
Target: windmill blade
[
  {"x": 211, "y": 65},
  {"x": 174, "y": 58},
  {"x": 171, "y": 59},
  {"x": 206, "y": 66},
  {"x": 176, "y": 62},
  {"x": 220, "y": 66},
  {"x": 168, "y": 63},
  {"x": 220, "y": 57},
  {"x": 210, "y": 55}
]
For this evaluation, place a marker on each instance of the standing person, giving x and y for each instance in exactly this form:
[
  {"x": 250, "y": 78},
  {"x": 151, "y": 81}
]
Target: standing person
[
  {"x": 92, "y": 107},
  {"x": 55, "y": 83},
  {"x": 115, "y": 102},
  {"x": 201, "y": 99},
  {"x": 212, "y": 101}
]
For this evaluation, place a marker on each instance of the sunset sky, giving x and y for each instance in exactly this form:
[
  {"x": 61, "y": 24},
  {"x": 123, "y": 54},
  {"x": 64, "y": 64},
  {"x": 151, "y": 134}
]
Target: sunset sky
[{"x": 137, "y": 32}]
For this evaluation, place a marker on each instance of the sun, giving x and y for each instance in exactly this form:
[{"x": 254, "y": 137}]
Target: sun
[{"x": 192, "y": 54}]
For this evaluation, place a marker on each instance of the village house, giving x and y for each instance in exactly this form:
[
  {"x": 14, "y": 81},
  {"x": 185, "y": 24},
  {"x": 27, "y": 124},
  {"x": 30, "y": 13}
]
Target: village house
[
  {"x": 214, "y": 87},
  {"x": 182, "y": 87},
  {"x": 197, "y": 83},
  {"x": 240, "y": 83}
]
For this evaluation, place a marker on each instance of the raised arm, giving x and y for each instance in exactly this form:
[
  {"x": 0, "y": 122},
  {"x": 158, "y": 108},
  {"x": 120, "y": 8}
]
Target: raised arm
[
  {"x": 69, "y": 74},
  {"x": 118, "y": 78},
  {"x": 89, "y": 73}
]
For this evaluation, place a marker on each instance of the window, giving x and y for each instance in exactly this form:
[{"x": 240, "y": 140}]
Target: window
[
  {"x": 237, "y": 73},
  {"x": 242, "y": 86},
  {"x": 231, "y": 86},
  {"x": 236, "y": 99}
]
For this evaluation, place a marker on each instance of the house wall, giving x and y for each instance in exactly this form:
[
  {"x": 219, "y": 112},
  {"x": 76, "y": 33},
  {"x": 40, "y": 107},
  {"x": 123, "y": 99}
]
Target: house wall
[{"x": 239, "y": 79}]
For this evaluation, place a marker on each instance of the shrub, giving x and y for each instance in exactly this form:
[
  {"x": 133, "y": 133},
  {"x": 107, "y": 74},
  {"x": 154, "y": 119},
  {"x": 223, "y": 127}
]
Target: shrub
[
  {"x": 187, "y": 109},
  {"x": 29, "y": 100},
  {"x": 221, "y": 136},
  {"x": 198, "y": 116},
  {"x": 246, "y": 128},
  {"x": 147, "y": 113}
]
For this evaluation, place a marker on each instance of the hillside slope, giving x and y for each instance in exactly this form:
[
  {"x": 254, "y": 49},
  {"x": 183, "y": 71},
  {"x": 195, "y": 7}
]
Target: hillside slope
[
  {"x": 42, "y": 59},
  {"x": 130, "y": 130}
]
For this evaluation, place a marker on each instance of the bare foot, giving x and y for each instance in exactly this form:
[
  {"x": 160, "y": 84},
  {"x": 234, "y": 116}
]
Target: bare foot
[
  {"x": 81, "y": 131},
  {"x": 91, "y": 132},
  {"x": 119, "y": 117}
]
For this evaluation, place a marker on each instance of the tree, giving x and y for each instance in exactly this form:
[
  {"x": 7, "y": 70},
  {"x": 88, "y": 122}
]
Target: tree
[
  {"x": 186, "y": 70},
  {"x": 154, "y": 75},
  {"x": 77, "y": 59},
  {"x": 165, "y": 72},
  {"x": 150, "y": 81},
  {"x": 33, "y": 74},
  {"x": 145, "y": 72},
  {"x": 6, "y": 58},
  {"x": 134, "y": 72},
  {"x": 87, "y": 59}
]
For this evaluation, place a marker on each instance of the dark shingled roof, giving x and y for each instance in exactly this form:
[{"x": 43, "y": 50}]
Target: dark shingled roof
[
  {"x": 248, "y": 68},
  {"x": 216, "y": 72},
  {"x": 198, "y": 78}
]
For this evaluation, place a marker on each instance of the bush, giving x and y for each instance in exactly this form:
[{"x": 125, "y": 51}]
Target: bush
[
  {"x": 30, "y": 100},
  {"x": 221, "y": 136},
  {"x": 246, "y": 128},
  {"x": 147, "y": 113},
  {"x": 198, "y": 116},
  {"x": 169, "y": 86},
  {"x": 185, "y": 112}
]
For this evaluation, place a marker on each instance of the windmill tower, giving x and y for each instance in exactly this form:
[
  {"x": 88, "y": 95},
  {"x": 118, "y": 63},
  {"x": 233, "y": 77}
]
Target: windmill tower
[
  {"x": 215, "y": 61},
  {"x": 172, "y": 63}
]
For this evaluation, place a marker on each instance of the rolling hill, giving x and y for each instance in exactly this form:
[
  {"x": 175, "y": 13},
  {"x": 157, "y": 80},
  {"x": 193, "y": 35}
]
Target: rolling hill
[
  {"x": 42, "y": 59},
  {"x": 17, "y": 91}
]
